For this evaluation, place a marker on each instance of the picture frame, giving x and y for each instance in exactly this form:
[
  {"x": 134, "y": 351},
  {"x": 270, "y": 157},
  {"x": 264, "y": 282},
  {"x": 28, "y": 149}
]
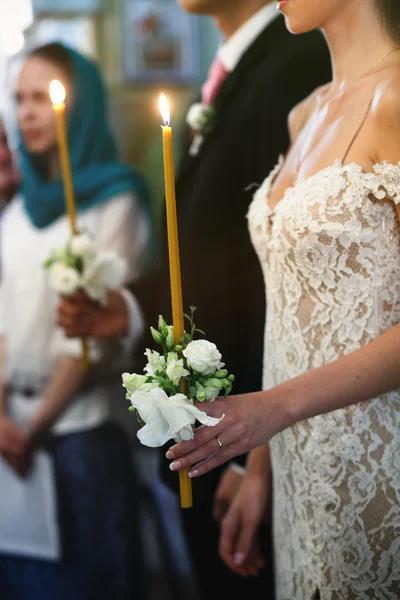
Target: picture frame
[{"x": 159, "y": 42}]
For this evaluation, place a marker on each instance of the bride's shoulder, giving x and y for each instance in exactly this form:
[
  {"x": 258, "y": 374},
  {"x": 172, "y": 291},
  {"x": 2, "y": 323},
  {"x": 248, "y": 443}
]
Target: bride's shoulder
[
  {"x": 387, "y": 94},
  {"x": 301, "y": 112},
  {"x": 386, "y": 116}
]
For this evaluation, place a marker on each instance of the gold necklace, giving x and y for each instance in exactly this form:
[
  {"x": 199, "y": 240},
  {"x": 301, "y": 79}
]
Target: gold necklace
[{"x": 313, "y": 146}]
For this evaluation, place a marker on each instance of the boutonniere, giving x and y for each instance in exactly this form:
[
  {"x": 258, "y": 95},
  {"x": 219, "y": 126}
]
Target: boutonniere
[{"x": 201, "y": 119}]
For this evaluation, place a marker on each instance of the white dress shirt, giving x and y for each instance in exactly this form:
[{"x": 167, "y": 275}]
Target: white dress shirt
[
  {"x": 231, "y": 51},
  {"x": 28, "y": 305}
]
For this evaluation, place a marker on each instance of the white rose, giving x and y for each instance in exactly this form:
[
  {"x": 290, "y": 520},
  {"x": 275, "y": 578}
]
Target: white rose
[
  {"x": 64, "y": 280},
  {"x": 105, "y": 272},
  {"x": 82, "y": 245},
  {"x": 167, "y": 417},
  {"x": 198, "y": 116},
  {"x": 176, "y": 370},
  {"x": 133, "y": 382},
  {"x": 203, "y": 357},
  {"x": 155, "y": 362}
]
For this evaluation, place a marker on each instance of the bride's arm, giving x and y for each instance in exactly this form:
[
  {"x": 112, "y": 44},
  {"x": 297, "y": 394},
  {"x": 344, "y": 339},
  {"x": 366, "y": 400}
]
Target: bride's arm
[{"x": 253, "y": 419}]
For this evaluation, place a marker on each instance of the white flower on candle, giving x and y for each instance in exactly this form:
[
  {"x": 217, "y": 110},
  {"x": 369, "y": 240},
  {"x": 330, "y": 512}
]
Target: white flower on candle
[
  {"x": 80, "y": 265},
  {"x": 167, "y": 417},
  {"x": 155, "y": 364},
  {"x": 163, "y": 411},
  {"x": 83, "y": 245},
  {"x": 203, "y": 357},
  {"x": 133, "y": 382},
  {"x": 105, "y": 272},
  {"x": 63, "y": 279},
  {"x": 175, "y": 368}
]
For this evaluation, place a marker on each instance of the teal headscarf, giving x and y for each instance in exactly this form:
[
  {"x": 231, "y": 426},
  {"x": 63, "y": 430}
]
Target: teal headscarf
[{"x": 97, "y": 173}]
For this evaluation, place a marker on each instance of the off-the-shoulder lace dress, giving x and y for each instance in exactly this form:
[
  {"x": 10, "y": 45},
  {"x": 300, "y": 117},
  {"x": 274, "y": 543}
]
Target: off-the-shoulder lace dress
[{"x": 330, "y": 253}]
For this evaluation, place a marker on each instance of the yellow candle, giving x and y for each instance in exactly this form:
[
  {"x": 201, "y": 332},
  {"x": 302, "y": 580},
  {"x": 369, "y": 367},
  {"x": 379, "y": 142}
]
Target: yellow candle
[
  {"x": 57, "y": 95},
  {"x": 174, "y": 265}
]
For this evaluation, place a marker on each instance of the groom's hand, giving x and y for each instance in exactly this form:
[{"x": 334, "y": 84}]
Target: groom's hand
[{"x": 81, "y": 317}]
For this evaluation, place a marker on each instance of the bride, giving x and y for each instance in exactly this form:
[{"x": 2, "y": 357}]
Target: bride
[{"x": 325, "y": 224}]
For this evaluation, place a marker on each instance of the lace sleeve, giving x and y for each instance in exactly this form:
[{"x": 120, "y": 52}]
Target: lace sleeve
[{"x": 389, "y": 175}]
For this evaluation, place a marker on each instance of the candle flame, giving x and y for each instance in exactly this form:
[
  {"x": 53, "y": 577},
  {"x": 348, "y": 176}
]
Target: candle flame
[
  {"x": 57, "y": 92},
  {"x": 164, "y": 109}
]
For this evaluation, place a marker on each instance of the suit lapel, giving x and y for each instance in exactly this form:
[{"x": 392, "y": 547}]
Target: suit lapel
[{"x": 263, "y": 44}]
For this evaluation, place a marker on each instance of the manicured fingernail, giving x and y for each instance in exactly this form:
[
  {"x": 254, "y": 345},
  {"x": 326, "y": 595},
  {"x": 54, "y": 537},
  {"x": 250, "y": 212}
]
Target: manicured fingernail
[
  {"x": 238, "y": 558},
  {"x": 194, "y": 473},
  {"x": 169, "y": 454},
  {"x": 175, "y": 465}
]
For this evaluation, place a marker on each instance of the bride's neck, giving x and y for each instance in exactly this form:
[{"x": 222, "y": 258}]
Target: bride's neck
[{"x": 356, "y": 40}]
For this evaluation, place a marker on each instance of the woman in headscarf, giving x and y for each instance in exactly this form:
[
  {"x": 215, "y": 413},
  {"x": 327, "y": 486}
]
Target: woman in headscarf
[{"x": 68, "y": 514}]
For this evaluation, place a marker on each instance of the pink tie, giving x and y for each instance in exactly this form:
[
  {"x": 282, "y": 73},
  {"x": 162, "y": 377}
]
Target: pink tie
[{"x": 216, "y": 77}]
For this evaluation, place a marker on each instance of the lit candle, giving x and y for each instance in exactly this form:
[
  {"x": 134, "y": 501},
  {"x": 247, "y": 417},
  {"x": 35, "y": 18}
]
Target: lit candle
[
  {"x": 57, "y": 95},
  {"x": 174, "y": 264}
]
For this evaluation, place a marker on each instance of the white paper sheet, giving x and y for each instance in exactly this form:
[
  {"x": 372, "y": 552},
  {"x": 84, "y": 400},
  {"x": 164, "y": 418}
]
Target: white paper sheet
[{"x": 28, "y": 511}]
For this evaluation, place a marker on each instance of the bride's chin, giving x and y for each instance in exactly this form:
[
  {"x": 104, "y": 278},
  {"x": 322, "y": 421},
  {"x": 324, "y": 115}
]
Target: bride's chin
[
  {"x": 298, "y": 19},
  {"x": 298, "y": 25}
]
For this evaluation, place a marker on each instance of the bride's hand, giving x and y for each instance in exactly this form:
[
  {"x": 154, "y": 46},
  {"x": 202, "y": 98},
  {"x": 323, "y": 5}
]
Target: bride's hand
[{"x": 250, "y": 420}]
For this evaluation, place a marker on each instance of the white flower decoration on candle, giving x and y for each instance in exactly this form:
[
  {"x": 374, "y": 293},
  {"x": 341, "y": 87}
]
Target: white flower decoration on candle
[
  {"x": 137, "y": 383},
  {"x": 63, "y": 279},
  {"x": 203, "y": 356},
  {"x": 166, "y": 417},
  {"x": 80, "y": 265},
  {"x": 162, "y": 410},
  {"x": 83, "y": 245},
  {"x": 105, "y": 272},
  {"x": 175, "y": 368}
]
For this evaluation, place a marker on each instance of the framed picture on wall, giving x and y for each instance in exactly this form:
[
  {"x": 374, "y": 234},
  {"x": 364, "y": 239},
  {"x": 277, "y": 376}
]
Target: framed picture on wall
[{"x": 159, "y": 42}]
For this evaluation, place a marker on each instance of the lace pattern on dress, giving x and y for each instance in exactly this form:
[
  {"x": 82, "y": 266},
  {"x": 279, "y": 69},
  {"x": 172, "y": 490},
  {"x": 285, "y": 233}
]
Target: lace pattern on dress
[{"x": 330, "y": 254}]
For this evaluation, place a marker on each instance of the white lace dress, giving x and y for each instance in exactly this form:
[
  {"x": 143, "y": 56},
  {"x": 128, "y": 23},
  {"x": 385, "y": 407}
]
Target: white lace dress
[{"x": 330, "y": 254}]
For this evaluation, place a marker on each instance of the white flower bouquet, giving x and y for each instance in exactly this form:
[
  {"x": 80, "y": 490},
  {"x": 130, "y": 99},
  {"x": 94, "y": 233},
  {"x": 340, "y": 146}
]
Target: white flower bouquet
[
  {"x": 182, "y": 373},
  {"x": 80, "y": 265}
]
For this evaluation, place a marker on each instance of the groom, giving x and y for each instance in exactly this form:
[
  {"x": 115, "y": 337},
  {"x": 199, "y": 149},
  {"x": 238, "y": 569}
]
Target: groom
[{"x": 261, "y": 71}]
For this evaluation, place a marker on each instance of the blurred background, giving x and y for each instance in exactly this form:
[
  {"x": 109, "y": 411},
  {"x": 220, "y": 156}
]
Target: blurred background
[{"x": 143, "y": 47}]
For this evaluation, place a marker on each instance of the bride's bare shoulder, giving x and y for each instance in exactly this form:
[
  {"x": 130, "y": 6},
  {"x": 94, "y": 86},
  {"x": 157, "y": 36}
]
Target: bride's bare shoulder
[
  {"x": 386, "y": 117},
  {"x": 300, "y": 113}
]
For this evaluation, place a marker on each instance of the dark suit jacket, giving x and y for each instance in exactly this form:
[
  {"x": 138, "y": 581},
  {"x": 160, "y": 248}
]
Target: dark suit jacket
[{"x": 221, "y": 274}]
